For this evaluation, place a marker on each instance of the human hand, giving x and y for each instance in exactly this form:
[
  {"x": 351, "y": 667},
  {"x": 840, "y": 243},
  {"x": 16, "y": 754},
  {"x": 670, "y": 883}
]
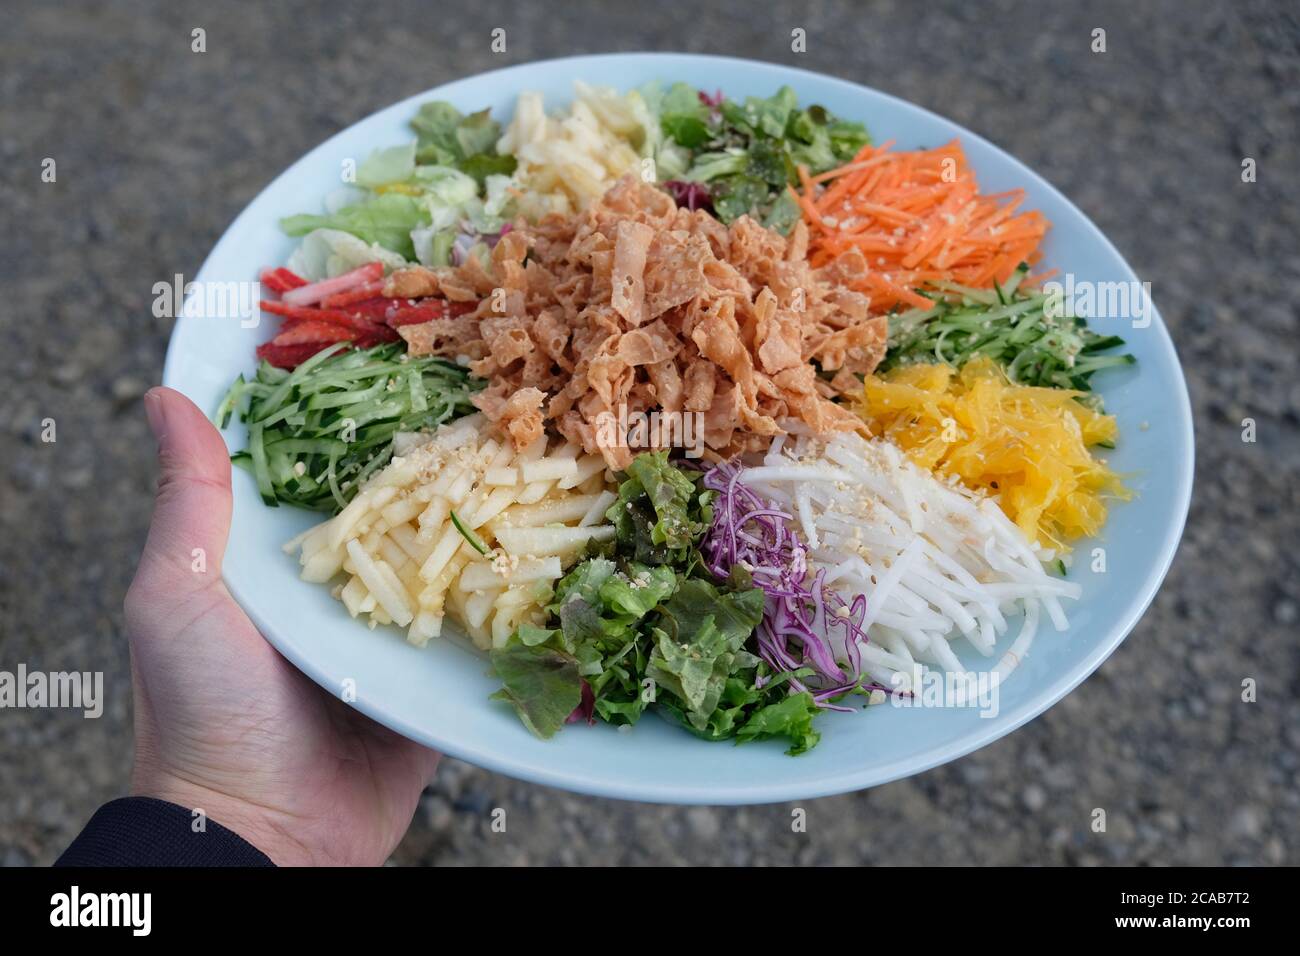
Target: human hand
[{"x": 223, "y": 723}]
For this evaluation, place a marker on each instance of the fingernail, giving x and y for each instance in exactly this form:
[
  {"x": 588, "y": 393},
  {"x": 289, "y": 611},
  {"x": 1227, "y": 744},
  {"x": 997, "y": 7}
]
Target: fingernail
[{"x": 153, "y": 410}]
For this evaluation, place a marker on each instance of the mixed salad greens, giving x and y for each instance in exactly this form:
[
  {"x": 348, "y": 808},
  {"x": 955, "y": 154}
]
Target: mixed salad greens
[
  {"x": 737, "y": 158},
  {"x": 429, "y": 200},
  {"x": 643, "y": 623}
]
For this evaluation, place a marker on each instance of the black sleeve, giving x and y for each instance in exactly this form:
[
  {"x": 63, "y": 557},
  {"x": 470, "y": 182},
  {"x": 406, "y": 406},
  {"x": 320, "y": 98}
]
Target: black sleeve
[{"x": 142, "y": 831}]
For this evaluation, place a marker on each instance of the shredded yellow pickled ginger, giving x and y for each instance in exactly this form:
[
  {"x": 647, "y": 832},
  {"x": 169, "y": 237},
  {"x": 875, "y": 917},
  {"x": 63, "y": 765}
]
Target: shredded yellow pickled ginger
[{"x": 1027, "y": 445}]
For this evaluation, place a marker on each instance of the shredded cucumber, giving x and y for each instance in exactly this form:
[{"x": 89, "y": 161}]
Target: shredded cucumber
[
  {"x": 317, "y": 433},
  {"x": 474, "y": 541},
  {"x": 1010, "y": 326}
]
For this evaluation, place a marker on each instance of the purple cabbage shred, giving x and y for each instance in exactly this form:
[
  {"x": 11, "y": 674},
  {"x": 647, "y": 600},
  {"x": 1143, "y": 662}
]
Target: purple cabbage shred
[
  {"x": 690, "y": 196},
  {"x": 799, "y": 613}
]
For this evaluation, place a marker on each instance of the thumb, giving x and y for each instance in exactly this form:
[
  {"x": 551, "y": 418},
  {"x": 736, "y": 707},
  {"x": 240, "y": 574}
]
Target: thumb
[{"x": 191, "y": 516}]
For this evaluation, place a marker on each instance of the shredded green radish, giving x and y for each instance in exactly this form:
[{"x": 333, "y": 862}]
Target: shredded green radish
[
  {"x": 474, "y": 540},
  {"x": 317, "y": 433},
  {"x": 1013, "y": 327}
]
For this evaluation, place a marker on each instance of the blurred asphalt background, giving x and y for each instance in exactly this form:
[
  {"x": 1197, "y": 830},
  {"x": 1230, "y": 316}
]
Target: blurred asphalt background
[{"x": 158, "y": 148}]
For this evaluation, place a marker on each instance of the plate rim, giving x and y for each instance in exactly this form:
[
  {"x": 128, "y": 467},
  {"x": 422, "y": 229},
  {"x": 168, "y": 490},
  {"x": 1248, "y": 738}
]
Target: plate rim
[{"x": 768, "y": 791}]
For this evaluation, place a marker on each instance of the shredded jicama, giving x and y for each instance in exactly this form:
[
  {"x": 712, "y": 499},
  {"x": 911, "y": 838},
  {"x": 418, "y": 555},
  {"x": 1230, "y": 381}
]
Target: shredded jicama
[{"x": 934, "y": 560}]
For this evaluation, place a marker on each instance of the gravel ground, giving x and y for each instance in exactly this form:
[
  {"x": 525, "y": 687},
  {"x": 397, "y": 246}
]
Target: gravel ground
[{"x": 158, "y": 148}]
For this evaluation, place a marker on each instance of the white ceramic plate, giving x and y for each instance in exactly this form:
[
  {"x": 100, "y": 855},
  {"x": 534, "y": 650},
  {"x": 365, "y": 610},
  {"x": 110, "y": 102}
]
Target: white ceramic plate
[{"x": 439, "y": 695}]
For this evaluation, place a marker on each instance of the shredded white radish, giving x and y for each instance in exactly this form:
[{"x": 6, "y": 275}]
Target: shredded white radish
[{"x": 935, "y": 561}]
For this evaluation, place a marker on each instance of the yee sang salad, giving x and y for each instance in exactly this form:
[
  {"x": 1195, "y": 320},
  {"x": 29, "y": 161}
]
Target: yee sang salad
[{"x": 668, "y": 401}]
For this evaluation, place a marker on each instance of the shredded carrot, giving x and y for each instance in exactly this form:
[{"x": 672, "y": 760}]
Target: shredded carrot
[{"x": 917, "y": 216}]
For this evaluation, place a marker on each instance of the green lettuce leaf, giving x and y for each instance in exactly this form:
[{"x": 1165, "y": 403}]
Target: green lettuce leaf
[
  {"x": 435, "y": 124},
  {"x": 542, "y": 684},
  {"x": 758, "y": 115},
  {"x": 324, "y": 253},
  {"x": 847, "y": 138},
  {"x": 697, "y": 644},
  {"x": 446, "y": 137},
  {"x": 659, "y": 512},
  {"x": 709, "y": 166},
  {"x": 682, "y": 117},
  {"x": 783, "y": 214},
  {"x": 584, "y": 581},
  {"x": 445, "y": 185},
  {"x": 393, "y": 165},
  {"x": 483, "y": 165},
  {"x": 637, "y": 592},
  {"x": 791, "y": 716},
  {"x": 736, "y": 196},
  {"x": 387, "y": 220},
  {"x": 477, "y": 133},
  {"x": 598, "y": 607}
]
